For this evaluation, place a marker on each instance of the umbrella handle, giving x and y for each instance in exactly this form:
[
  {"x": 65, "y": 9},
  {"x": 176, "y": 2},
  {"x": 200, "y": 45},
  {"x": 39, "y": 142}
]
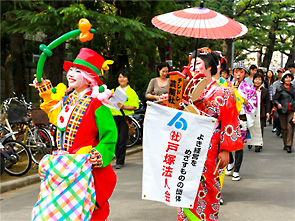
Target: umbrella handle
[{"x": 197, "y": 43}]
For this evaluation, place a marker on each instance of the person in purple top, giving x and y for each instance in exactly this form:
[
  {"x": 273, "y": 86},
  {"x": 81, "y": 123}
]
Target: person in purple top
[{"x": 246, "y": 115}]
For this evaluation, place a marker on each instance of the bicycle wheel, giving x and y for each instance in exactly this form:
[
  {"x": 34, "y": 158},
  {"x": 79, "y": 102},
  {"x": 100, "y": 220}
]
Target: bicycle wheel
[
  {"x": 20, "y": 158},
  {"x": 39, "y": 143},
  {"x": 133, "y": 139}
]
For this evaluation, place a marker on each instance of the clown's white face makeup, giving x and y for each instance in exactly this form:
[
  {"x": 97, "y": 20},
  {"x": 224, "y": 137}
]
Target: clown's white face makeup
[{"x": 76, "y": 79}]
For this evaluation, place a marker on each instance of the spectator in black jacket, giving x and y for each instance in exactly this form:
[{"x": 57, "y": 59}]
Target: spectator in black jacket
[{"x": 284, "y": 100}]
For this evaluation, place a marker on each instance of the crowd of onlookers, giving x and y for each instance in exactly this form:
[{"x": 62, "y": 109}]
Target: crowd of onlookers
[{"x": 278, "y": 100}]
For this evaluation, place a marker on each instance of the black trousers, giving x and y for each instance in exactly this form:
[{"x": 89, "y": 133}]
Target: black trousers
[
  {"x": 276, "y": 123},
  {"x": 120, "y": 150},
  {"x": 238, "y": 159}
]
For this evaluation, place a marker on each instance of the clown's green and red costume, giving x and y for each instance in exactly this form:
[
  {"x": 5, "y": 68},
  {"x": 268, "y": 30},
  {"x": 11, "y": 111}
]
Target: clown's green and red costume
[{"x": 83, "y": 122}]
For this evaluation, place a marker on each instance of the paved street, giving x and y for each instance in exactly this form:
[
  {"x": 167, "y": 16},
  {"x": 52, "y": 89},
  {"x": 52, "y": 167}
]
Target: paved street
[{"x": 266, "y": 191}]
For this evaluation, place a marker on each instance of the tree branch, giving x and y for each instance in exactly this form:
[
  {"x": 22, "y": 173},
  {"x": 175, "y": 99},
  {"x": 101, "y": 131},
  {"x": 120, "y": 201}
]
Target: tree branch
[
  {"x": 252, "y": 51},
  {"x": 244, "y": 9}
]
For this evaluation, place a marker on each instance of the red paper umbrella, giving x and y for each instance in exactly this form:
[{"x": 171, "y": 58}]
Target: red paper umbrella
[{"x": 199, "y": 23}]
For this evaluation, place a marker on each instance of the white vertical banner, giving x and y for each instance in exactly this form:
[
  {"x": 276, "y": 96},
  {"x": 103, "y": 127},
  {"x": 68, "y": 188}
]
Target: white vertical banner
[{"x": 175, "y": 146}]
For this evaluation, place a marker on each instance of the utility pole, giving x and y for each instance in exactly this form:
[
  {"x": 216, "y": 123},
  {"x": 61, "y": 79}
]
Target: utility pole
[{"x": 233, "y": 44}]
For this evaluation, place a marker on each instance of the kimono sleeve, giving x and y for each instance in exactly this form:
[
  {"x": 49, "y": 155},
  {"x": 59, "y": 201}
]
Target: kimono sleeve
[
  {"x": 108, "y": 134},
  {"x": 230, "y": 138},
  {"x": 252, "y": 100}
]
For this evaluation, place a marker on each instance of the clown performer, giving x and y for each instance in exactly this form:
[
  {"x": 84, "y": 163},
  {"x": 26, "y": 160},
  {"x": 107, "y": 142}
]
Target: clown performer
[
  {"x": 246, "y": 116},
  {"x": 84, "y": 123},
  {"x": 215, "y": 101}
]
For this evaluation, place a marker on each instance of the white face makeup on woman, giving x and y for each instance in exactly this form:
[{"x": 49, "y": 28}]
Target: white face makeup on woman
[
  {"x": 200, "y": 68},
  {"x": 123, "y": 81},
  {"x": 76, "y": 80}
]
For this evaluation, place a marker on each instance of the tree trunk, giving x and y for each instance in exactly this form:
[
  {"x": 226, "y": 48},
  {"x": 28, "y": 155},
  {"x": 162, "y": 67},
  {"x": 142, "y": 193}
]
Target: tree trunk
[
  {"x": 53, "y": 67},
  {"x": 291, "y": 57},
  {"x": 270, "y": 47},
  {"x": 7, "y": 76},
  {"x": 122, "y": 62},
  {"x": 227, "y": 50},
  {"x": 18, "y": 64},
  {"x": 259, "y": 57},
  {"x": 162, "y": 49}
]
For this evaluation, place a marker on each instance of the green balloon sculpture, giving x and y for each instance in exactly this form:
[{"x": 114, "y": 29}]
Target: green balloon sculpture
[{"x": 85, "y": 33}]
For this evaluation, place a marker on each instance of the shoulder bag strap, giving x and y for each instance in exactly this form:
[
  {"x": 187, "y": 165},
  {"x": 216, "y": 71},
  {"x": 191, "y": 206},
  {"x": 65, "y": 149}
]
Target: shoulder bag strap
[{"x": 125, "y": 118}]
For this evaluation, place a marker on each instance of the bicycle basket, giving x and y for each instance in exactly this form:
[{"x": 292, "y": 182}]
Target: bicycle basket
[
  {"x": 39, "y": 116},
  {"x": 16, "y": 112}
]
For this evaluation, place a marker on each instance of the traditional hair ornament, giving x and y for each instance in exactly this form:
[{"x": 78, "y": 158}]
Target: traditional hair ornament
[
  {"x": 204, "y": 51},
  {"x": 222, "y": 57}
]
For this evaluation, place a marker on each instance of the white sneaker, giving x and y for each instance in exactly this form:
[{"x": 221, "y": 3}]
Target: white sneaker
[
  {"x": 229, "y": 169},
  {"x": 236, "y": 177}
]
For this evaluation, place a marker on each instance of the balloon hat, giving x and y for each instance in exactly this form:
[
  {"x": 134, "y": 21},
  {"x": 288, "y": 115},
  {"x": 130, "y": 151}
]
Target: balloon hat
[{"x": 85, "y": 33}]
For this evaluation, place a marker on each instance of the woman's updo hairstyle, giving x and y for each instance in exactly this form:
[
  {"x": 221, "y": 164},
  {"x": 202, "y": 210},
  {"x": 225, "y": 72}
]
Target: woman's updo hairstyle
[
  {"x": 206, "y": 55},
  {"x": 220, "y": 59}
]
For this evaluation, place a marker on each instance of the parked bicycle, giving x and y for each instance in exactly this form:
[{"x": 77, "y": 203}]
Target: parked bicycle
[
  {"x": 38, "y": 137},
  {"x": 138, "y": 119},
  {"x": 15, "y": 158}
]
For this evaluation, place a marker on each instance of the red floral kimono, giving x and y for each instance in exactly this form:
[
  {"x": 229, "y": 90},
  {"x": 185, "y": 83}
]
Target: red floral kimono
[{"x": 217, "y": 102}]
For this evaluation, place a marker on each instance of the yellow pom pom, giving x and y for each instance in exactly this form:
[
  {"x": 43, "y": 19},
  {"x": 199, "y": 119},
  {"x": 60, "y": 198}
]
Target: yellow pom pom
[{"x": 60, "y": 92}]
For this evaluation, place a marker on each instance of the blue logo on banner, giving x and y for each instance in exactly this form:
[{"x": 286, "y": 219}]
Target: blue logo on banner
[{"x": 179, "y": 122}]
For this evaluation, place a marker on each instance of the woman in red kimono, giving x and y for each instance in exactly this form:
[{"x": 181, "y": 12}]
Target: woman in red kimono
[{"x": 216, "y": 101}]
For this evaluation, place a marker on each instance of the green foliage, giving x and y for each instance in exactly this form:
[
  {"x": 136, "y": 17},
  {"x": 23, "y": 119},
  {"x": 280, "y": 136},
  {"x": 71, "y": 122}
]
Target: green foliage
[
  {"x": 265, "y": 18},
  {"x": 125, "y": 34}
]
